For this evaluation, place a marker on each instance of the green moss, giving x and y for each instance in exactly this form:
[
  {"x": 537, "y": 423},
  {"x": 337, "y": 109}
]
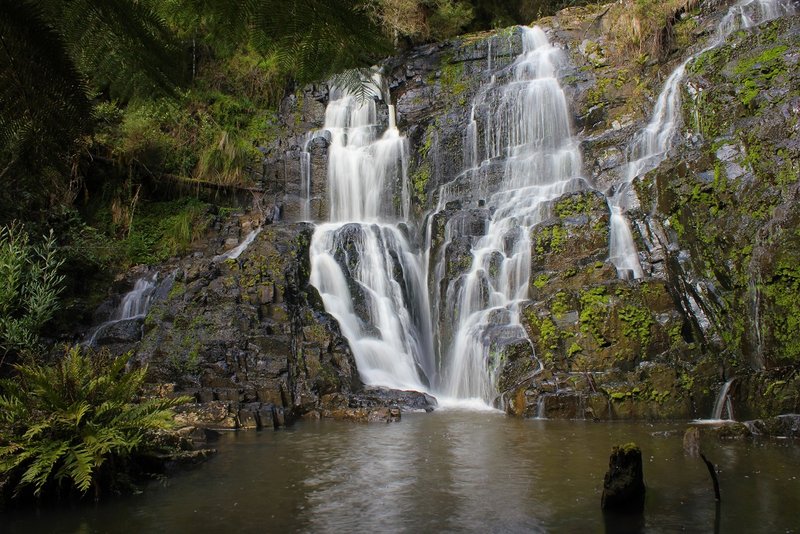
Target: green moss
[
  {"x": 548, "y": 333},
  {"x": 597, "y": 94},
  {"x": 560, "y": 305},
  {"x": 177, "y": 290},
  {"x": 568, "y": 273},
  {"x": 594, "y": 312},
  {"x": 784, "y": 319},
  {"x": 575, "y": 205},
  {"x": 551, "y": 239},
  {"x": 541, "y": 281},
  {"x": 637, "y": 323},
  {"x": 419, "y": 181},
  {"x": 686, "y": 381},
  {"x": 453, "y": 79}
]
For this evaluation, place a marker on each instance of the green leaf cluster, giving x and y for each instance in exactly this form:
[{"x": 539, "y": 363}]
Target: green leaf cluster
[{"x": 75, "y": 423}]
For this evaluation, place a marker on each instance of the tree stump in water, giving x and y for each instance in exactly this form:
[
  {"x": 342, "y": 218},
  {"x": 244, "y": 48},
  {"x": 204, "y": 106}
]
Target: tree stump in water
[
  {"x": 691, "y": 442},
  {"x": 623, "y": 486}
]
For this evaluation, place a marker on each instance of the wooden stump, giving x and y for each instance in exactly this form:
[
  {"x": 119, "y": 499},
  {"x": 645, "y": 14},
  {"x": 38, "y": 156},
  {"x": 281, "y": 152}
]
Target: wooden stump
[{"x": 623, "y": 486}]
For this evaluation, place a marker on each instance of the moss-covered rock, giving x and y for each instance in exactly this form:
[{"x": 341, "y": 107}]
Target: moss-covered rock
[{"x": 250, "y": 330}]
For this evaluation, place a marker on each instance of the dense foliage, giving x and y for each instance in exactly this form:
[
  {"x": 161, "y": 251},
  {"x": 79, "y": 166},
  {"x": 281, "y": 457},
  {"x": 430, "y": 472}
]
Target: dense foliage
[
  {"x": 29, "y": 289},
  {"x": 74, "y": 425}
]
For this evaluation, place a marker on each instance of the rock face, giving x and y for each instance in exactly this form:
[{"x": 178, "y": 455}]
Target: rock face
[
  {"x": 248, "y": 337},
  {"x": 623, "y": 484},
  {"x": 715, "y": 225}
]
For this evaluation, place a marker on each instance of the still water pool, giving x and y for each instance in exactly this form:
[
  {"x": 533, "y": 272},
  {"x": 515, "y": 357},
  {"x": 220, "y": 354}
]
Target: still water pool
[{"x": 448, "y": 471}]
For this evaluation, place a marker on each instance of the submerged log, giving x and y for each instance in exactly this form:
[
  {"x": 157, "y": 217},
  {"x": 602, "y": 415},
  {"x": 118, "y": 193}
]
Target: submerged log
[{"x": 623, "y": 485}]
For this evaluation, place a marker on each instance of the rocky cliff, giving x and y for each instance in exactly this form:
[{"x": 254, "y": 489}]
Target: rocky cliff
[{"x": 715, "y": 223}]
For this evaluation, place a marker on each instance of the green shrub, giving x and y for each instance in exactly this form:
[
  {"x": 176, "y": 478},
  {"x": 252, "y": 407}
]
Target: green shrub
[
  {"x": 29, "y": 288},
  {"x": 74, "y": 424}
]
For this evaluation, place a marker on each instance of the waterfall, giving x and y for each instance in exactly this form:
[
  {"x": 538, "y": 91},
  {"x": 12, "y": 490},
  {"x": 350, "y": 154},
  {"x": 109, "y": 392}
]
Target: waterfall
[
  {"x": 414, "y": 317},
  {"x": 134, "y": 305},
  {"x": 723, "y": 402},
  {"x": 235, "y": 252},
  {"x": 305, "y": 178},
  {"x": 526, "y": 130},
  {"x": 136, "y": 302},
  {"x": 365, "y": 266},
  {"x": 650, "y": 146}
]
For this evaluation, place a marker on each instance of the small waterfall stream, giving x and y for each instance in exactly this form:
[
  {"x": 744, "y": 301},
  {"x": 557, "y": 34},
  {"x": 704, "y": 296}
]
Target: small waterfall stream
[
  {"x": 723, "y": 404},
  {"x": 651, "y": 145},
  {"x": 236, "y": 251},
  {"x": 134, "y": 305}
]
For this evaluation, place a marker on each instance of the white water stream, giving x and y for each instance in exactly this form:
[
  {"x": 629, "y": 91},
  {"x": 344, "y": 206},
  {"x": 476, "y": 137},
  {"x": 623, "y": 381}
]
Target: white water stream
[
  {"x": 236, "y": 251},
  {"x": 651, "y": 145},
  {"x": 723, "y": 404},
  {"x": 134, "y": 305}
]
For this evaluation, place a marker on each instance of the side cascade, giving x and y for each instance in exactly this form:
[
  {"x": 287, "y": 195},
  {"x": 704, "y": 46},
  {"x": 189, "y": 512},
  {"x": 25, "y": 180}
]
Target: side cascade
[
  {"x": 651, "y": 145},
  {"x": 134, "y": 305},
  {"x": 520, "y": 155},
  {"x": 368, "y": 272}
]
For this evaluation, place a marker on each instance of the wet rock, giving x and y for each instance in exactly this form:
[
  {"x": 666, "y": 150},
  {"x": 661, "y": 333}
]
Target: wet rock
[
  {"x": 623, "y": 484},
  {"x": 124, "y": 331},
  {"x": 731, "y": 431},
  {"x": 214, "y": 415},
  {"x": 371, "y": 397},
  {"x": 249, "y": 331},
  {"x": 785, "y": 426}
]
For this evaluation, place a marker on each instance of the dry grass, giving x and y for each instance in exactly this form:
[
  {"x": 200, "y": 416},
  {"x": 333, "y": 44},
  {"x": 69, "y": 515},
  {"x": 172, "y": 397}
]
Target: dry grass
[{"x": 643, "y": 28}]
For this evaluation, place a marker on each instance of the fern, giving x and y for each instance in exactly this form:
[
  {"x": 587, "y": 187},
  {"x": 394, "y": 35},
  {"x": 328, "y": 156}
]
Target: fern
[{"x": 61, "y": 423}]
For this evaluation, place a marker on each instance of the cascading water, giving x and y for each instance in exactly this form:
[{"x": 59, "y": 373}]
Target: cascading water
[
  {"x": 236, "y": 251},
  {"x": 519, "y": 155},
  {"x": 651, "y": 144},
  {"x": 362, "y": 261},
  {"x": 723, "y": 403},
  {"x": 134, "y": 305},
  {"x": 526, "y": 130}
]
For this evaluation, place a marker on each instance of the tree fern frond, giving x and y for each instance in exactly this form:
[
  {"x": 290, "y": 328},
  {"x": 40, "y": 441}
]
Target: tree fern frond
[
  {"x": 315, "y": 38},
  {"x": 43, "y": 99},
  {"x": 357, "y": 82},
  {"x": 123, "y": 45}
]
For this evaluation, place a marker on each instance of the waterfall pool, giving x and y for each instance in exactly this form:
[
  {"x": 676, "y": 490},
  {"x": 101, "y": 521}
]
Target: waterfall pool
[{"x": 452, "y": 471}]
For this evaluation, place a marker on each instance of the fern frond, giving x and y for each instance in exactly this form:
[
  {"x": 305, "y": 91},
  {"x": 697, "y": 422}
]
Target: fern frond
[
  {"x": 41, "y": 468},
  {"x": 79, "y": 465},
  {"x": 122, "y": 45}
]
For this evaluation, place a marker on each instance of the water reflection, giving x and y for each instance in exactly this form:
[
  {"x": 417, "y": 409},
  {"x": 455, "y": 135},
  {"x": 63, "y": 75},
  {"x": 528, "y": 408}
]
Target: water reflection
[{"x": 445, "y": 472}]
